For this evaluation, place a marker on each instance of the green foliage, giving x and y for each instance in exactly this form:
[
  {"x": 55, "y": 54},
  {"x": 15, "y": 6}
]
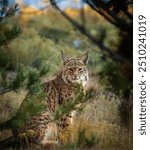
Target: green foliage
[
  {"x": 15, "y": 74},
  {"x": 31, "y": 105},
  {"x": 77, "y": 104},
  {"x": 24, "y": 77},
  {"x": 8, "y": 34},
  {"x": 113, "y": 79},
  {"x": 7, "y": 10},
  {"x": 33, "y": 52},
  {"x": 68, "y": 106}
]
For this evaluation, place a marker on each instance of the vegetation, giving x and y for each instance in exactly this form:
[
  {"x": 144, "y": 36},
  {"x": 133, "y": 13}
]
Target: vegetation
[
  {"x": 30, "y": 45},
  {"x": 117, "y": 53}
]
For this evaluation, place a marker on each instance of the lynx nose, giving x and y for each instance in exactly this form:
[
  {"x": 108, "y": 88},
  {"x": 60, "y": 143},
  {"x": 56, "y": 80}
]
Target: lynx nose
[{"x": 75, "y": 77}]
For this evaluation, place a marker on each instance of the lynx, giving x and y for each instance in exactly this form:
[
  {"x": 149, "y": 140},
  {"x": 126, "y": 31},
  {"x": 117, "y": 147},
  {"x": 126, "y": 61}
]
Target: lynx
[{"x": 59, "y": 91}]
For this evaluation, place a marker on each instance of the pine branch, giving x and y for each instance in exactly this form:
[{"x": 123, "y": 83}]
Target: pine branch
[
  {"x": 7, "y": 11},
  {"x": 9, "y": 35}
]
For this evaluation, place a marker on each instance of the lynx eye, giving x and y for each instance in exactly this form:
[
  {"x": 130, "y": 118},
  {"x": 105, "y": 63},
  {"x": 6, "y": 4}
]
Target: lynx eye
[
  {"x": 81, "y": 69},
  {"x": 70, "y": 69}
]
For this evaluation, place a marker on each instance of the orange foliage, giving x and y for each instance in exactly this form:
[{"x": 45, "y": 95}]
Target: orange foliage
[
  {"x": 72, "y": 12},
  {"x": 27, "y": 13},
  {"x": 130, "y": 10},
  {"x": 89, "y": 10}
]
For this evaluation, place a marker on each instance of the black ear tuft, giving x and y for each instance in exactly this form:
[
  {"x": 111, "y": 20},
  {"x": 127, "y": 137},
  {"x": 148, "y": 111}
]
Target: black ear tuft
[
  {"x": 84, "y": 58},
  {"x": 65, "y": 58}
]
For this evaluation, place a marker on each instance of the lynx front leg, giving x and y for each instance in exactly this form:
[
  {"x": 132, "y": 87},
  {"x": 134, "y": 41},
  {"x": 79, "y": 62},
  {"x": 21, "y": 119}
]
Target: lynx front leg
[
  {"x": 51, "y": 135},
  {"x": 65, "y": 129}
]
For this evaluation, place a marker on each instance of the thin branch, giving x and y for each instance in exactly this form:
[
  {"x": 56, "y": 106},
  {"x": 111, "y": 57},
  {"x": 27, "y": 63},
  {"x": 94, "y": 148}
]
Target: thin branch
[
  {"x": 102, "y": 47},
  {"x": 103, "y": 13},
  {"x": 82, "y": 14},
  {"x": 5, "y": 91},
  {"x": 111, "y": 17},
  {"x": 9, "y": 142}
]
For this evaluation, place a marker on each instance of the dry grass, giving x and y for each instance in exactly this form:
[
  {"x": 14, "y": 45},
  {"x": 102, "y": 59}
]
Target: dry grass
[
  {"x": 9, "y": 103},
  {"x": 100, "y": 135},
  {"x": 98, "y": 126}
]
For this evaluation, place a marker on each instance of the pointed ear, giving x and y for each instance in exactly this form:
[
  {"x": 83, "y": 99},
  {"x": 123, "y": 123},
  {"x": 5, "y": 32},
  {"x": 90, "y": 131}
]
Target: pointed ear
[
  {"x": 84, "y": 58},
  {"x": 65, "y": 58}
]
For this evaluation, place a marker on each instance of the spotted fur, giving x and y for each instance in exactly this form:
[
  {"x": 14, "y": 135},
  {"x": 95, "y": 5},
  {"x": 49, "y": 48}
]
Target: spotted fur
[{"x": 59, "y": 91}]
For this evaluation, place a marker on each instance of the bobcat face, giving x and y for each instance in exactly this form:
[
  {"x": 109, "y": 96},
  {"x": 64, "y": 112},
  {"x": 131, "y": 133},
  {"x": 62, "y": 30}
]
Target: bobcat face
[{"x": 75, "y": 69}]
